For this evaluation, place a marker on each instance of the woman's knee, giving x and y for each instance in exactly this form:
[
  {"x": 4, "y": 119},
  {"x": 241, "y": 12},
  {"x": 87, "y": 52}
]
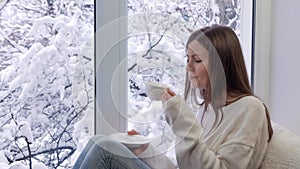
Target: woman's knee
[
  {"x": 95, "y": 138},
  {"x": 113, "y": 147},
  {"x": 108, "y": 143}
]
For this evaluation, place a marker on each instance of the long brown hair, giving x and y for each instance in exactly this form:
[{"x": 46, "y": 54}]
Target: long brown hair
[{"x": 226, "y": 69}]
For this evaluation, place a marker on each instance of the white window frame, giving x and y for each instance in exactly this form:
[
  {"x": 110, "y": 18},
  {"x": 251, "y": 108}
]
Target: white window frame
[
  {"x": 247, "y": 34},
  {"x": 111, "y": 51},
  {"x": 262, "y": 41}
]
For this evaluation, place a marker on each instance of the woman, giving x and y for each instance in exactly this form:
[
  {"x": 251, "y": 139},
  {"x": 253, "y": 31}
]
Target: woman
[
  {"x": 234, "y": 126},
  {"x": 229, "y": 128}
]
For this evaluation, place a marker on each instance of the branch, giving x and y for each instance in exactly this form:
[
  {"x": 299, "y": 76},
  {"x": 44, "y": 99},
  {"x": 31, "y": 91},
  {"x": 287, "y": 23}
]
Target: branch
[
  {"x": 3, "y": 3},
  {"x": 24, "y": 8},
  {"x": 28, "y": 149},
  {"x": 29, "y": 152},
  {"x": 48, "y": 151},
  {"x": 155, "y": 44}
]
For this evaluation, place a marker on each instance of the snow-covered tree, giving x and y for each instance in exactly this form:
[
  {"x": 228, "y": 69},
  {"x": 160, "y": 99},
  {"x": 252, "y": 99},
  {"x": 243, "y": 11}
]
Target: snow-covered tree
[{"x": 46, "y": 84}]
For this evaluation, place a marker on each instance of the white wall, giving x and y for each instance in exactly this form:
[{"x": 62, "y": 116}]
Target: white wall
[
  {"x": 277, "y": 75},
  {"x": 285, "y": 64}
]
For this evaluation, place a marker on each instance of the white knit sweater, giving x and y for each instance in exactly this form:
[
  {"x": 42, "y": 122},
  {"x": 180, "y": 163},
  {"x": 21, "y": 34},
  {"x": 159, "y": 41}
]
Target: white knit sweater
[{"x": 239, "y": 142}]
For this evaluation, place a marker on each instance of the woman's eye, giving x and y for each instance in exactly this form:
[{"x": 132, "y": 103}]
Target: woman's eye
[{"x": 193, "y": 59}]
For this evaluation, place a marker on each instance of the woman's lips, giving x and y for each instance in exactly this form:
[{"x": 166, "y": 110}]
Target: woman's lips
[{"x": 192, "y": 78}]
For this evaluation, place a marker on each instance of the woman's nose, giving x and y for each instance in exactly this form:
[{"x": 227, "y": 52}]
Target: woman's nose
[{"x": 188, "y": 67}]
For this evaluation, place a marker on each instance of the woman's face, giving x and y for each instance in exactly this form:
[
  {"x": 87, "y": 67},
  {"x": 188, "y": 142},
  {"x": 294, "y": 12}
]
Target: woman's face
[{"x": 197, "y": 66}]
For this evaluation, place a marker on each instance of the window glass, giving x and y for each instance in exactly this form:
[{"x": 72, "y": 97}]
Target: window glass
[
  {"x": 46, "y": 81},
  {"x": 158, "y": 30}
]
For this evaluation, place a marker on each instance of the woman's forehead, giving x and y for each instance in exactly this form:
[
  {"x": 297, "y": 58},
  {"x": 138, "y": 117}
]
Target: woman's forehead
[{"x": 196, "y": 48}]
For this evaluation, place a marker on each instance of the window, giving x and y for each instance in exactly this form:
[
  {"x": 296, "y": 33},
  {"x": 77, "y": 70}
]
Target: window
[
  {"x": 47, "y": 78},
  {"x": 158, "y": 31},
  {"x": 154, "y": 42}
]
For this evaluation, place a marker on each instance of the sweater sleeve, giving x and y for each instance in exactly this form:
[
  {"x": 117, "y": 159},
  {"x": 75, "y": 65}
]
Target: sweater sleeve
[
  {"x": 156, "y": 159},
  {"x": 192, "y": 152}
]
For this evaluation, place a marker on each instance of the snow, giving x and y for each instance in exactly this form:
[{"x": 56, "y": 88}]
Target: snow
[
  {"x": 3, "y": 159},
  {"x": 25, "y": 131}
]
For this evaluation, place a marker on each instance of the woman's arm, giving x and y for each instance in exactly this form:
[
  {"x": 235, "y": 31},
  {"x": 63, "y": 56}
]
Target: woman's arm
[{"x": 192, "y": 152}]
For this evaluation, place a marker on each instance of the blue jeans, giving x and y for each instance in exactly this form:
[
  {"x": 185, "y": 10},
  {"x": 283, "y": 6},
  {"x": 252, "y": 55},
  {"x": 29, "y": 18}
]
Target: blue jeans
[{"x": 103, "y": 153}]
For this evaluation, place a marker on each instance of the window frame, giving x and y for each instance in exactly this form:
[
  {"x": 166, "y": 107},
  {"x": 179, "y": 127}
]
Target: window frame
[{"x": 109, "y": 54}]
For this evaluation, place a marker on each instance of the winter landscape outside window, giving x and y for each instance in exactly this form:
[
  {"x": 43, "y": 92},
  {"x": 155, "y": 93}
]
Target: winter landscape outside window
[{"x": 46, "y": 82}]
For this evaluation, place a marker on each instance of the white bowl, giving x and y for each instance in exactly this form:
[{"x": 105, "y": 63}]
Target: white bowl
[{"x": 154, "y": 90}]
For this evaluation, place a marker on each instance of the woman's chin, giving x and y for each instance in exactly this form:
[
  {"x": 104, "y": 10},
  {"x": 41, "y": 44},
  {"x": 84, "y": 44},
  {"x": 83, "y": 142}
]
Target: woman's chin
[{"x": 194, "y": 86}]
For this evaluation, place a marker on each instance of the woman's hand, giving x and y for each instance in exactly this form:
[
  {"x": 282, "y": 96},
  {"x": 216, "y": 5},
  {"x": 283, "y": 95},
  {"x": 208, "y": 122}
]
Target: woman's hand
[
  {"x": 140, "y": 150},
  {"x": 167, "y": 95},
  {"x": 133, "y": 132},
  {"x": 137, "y": 150}
]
